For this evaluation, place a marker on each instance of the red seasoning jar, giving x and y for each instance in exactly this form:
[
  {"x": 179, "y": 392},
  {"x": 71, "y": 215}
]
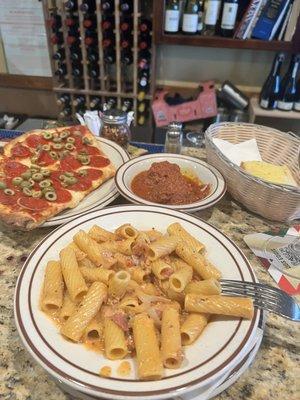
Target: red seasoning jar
[{"x": 115, "y": 127}]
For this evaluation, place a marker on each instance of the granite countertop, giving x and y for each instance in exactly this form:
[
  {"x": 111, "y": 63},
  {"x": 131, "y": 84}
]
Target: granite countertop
[{"x": 271, "y": 376}]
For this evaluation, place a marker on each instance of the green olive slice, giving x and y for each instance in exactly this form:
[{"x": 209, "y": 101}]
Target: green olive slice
[
  {"x": 50, "y": 196},
  {"x": 62, "y": 177},
  {"x": 31, "y": 182},
  {"x": 67, "y": 173},
  {"x": 71, "y": 140},
  {"x": 47, "y": 189},
  {"x": 27, "y": 191},
  {"x": 37, "y": 177},
  {"x": 64, "y": 134},
  {"x": 26, "y": 175},
  {"x": 46, "y": 147},
  {"x": 69, "y": 146},
  {"x": 83, "y": 172},
  {"x": 57, "y": 146},
  {"x": 9, "y": 192},
  {"x": 71, "y": 180},
  {"x": 24, "y": 184},
  {"x": 17, "y": 180},
  {"x": 54, "y": 155},
  {"x": 57, "y": 139},
  {"x": 2, "y": 185},
  {"x": 47, "y": 135},
  {"x": 86, "y": 160},
  {"x": 45, "y": 183},
  {"x": 34, "y": 159},
  {"x": 37, "y": 194},
  {"x": 45, "y": 172}
]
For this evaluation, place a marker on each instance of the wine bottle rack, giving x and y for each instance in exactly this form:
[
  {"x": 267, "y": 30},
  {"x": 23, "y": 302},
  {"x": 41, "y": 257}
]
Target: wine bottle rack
[{"x": 114, "y": 81}]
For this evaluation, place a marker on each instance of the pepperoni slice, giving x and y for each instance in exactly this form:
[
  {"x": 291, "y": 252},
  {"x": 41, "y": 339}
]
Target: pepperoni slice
[
  {"x": 93, "y": 174},
  {"x": 69, "y": 163},
  {"x": 45, "y": 159},
  {"x": 99, "y": 161},
  {"x": 32, "y": 203},
  {"x": 20, "y": 151},
  {"x": 92, "y": 150},
  {"x": 14, "y": 168},
  {"x": 81, "y": 186},
  {"x": 63, "y": 196},
  {"x": 7, "y": 200},
  {"x": 35, "y": 140}
]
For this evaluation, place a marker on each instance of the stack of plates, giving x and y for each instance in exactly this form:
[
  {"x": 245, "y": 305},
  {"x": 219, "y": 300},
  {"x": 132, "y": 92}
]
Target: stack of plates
[{"x": 224, "y": 350}]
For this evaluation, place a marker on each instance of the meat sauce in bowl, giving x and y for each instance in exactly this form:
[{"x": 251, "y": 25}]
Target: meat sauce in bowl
[{"x": 164, "y": 183}]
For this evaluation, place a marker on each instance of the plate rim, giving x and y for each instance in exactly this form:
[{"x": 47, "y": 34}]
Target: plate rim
[
  {"x": 90, "y": 388},
  {"x": 111, "y": 196},
  {"x": 192, "y": 207}
]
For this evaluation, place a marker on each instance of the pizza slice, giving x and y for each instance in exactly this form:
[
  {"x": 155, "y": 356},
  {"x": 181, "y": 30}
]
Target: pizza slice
[{"x": 45, "y": 172}]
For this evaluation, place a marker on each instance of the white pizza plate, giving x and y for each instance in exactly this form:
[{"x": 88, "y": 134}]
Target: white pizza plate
[
  {"x": 223, "y": 344},
  {"x": 101, "y": 196},
  {"x": 205, "y": 172}
]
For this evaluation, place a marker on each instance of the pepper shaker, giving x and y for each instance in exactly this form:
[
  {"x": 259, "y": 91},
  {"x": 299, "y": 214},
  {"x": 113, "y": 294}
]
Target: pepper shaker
[{"x": 173, "y": 141}]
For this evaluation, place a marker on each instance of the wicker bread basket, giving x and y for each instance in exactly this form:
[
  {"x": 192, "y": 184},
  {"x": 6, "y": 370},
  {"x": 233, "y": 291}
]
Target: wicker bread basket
[{"x": 275, "y": 202}]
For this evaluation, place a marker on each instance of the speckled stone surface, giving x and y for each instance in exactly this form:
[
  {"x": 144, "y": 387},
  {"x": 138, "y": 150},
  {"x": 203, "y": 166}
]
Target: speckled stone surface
[{"x": 273, "y": 374}]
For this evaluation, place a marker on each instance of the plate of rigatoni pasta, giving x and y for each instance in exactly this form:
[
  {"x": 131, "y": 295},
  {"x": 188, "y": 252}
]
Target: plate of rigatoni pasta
[{"x": 125, "y": 303}]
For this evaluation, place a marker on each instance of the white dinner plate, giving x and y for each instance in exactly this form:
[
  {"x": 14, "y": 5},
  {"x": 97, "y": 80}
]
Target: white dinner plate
[
  {"x": 223, "y": 343},
  {"x": 205, "y": 172},
  {"x": 100, "y": 197}
]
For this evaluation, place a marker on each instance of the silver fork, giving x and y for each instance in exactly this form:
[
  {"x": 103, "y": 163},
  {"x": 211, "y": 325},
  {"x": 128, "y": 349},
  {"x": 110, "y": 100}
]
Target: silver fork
[{"x": 265, "y": 296}]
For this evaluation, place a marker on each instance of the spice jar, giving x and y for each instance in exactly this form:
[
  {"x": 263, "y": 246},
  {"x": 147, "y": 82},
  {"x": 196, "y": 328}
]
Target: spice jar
[
  {"x": 115, "y": 127},
  {"x": 173, "y": 141}
]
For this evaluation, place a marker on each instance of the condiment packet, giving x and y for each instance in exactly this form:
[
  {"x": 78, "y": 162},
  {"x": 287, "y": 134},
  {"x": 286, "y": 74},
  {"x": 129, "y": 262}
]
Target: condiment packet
[
  {"x": 279, "y": 253},
  {"x": 92, "y": 120},
  {"x": 237, "y": 153}
]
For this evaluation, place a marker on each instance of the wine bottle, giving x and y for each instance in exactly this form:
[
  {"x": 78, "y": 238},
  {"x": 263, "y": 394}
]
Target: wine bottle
[
  {"x": 190, "y": 17},
  {"x": 211, "y": 16},
  {"x": 127, "y": 105},
  {"x": 172, "y": 16},
  {"x": 143, "y": 79},
  {"x": 141, "y": 94},
  {"x": 126, "y": 6},
  {"x": 107, "y": 6},
  {"x": 72, "y": 21},
  {"x": 126, "y": 25},
  {"x": 144, "y": 59},
  {"x": 92, "y": 55},
  {"x": 141, "y": 107},
  {"x": 90, "y": 21},
  {"x": 93, "y": 71},
  {"x": 91, "y": 38},
  {"x": 63, "y": 100},
  {"x": 78, "y": 101},
  {"x": 108, "y": 23},
  {"x": 270, "y": 90},
  {"x": 297, "y": 99},
  {"x": 71, "y": 5},
  {"x": 141, "y": 119},
  {"x": 88, "y": 6},
  {"x": 145, "y": 26},
  {"x": 200, "y": 17},
  {"x": 126, "y": 57},
  {"x": 77, "y": 70},
  {"x": 127, "y": 42},
  {"x": 287, "y": 93},
  {"x": 75, "y": 53},
  {"x": 57, "y": 38},
  {"x": 73, "y": 40},
  {"x": 95, "y": 103},
  {"x": 229, "y": 14},
  {"x": 54, "y": 21},
  {"x": 61, "y": 70},
  {"x": 108, "y": 42},
  {"x": 109, "y": 56},
  {"x": 145, "y": 41},
  {"x": 66, "y": 112},
  {"x": 60, "y": 54}
]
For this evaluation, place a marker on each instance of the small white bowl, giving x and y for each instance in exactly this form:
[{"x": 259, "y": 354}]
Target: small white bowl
[{"x": 205, "y": 172}]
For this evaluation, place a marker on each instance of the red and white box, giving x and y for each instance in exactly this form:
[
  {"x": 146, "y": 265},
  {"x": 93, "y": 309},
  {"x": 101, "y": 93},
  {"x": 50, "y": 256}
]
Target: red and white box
[{"x": 204, "y": 106}]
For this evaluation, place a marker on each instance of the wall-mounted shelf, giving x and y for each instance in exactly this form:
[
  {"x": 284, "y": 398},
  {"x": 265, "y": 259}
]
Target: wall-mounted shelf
[{"x": 217, "y": 41}]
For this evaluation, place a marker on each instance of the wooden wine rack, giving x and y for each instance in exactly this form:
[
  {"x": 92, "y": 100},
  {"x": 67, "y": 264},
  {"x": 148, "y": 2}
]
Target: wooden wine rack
[{"x": 118, "y": 91}]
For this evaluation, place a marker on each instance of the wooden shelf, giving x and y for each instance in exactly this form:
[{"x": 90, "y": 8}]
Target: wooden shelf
[
  {"x": 25, "y": 82},
  {"x": 216, "y": 41},
  {"x": 256, "y": 111}
]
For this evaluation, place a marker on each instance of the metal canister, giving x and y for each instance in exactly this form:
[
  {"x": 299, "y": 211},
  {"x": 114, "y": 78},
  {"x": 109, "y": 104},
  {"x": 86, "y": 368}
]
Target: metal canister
[{"x": 174, "y": 135}]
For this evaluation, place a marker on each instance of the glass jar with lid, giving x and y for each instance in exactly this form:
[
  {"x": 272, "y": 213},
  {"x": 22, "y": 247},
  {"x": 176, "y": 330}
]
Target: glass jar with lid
[
  {"x": 173, "y": 141},
  {"x": 115, "y": 127}
]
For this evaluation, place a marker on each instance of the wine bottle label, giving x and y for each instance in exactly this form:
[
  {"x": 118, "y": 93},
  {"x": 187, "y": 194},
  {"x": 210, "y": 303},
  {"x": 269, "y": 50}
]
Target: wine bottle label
[
  {"x": 190, "y": 23},
  {"x": 229, "y": 16},
  {"x": 264, "y": 103},
  {"x": 297, "y": 106},
  {"x": 172, "y": 21},
  {"x": 285, "y": 105},
  {"x": 212, "y": 12}
]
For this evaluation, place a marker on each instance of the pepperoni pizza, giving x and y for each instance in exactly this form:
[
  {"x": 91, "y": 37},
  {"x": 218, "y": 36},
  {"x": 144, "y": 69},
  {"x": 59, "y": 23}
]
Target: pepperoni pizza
[{"x": 45, "y": 172}]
